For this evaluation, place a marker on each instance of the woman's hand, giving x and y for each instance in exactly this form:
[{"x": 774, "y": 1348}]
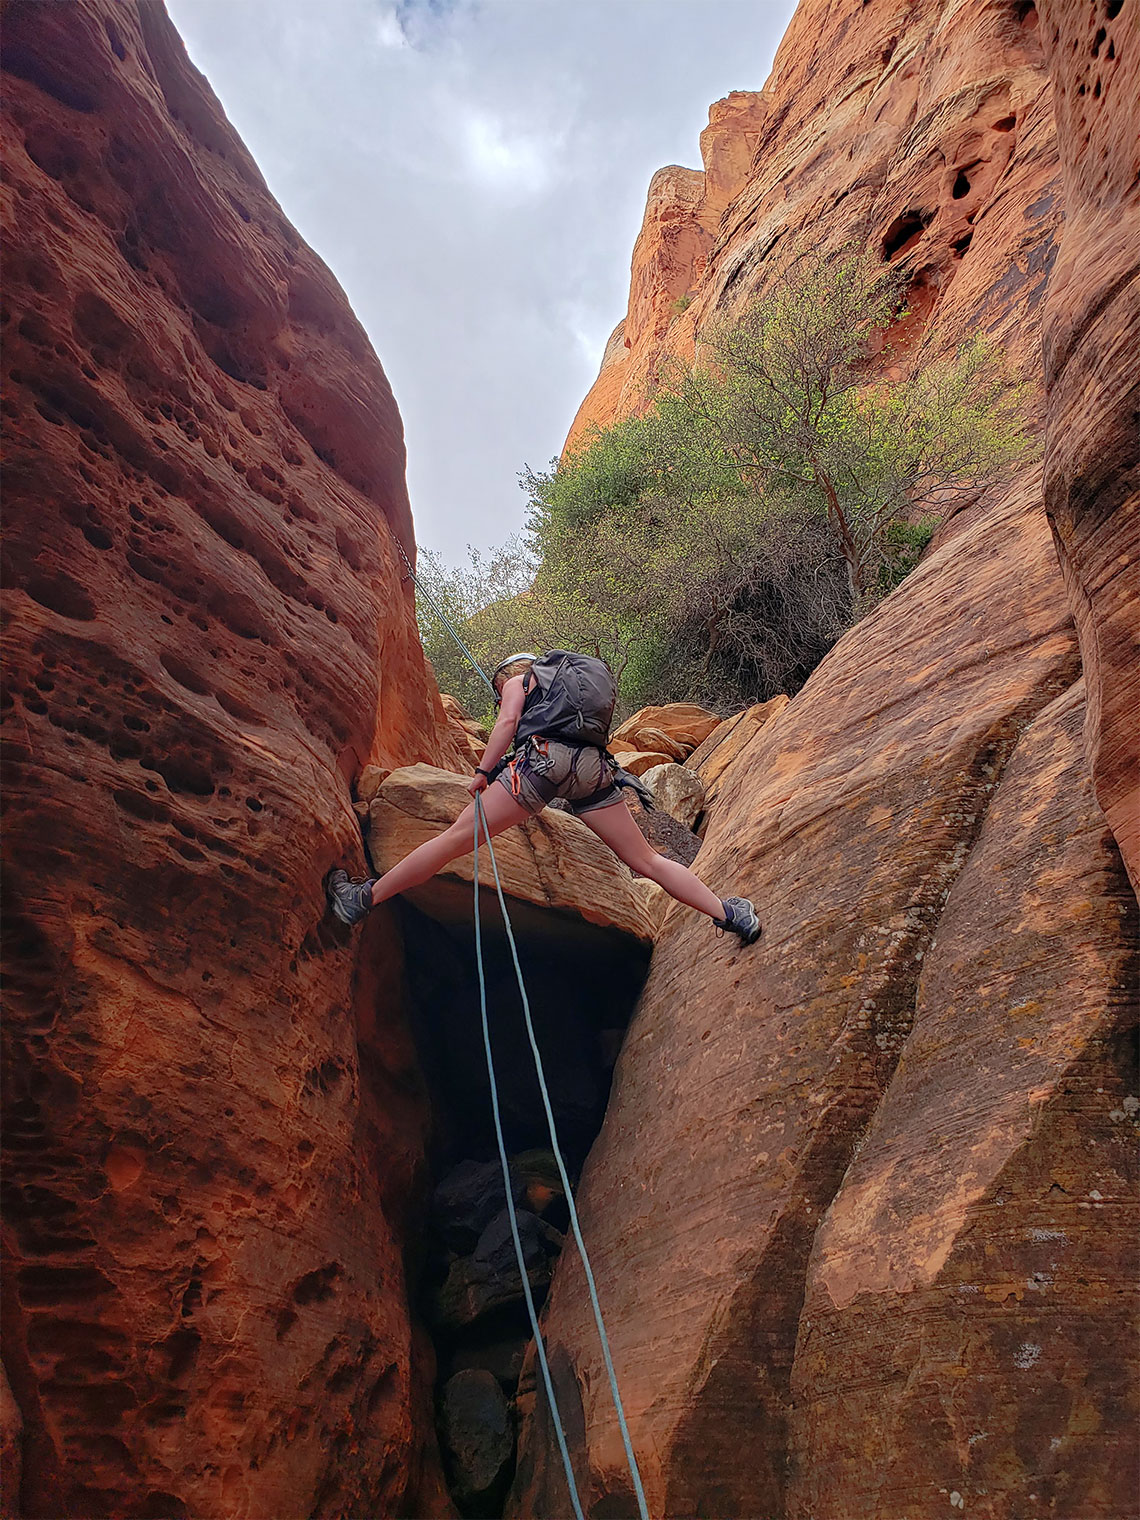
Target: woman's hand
[{"x": 477, "y": 784}]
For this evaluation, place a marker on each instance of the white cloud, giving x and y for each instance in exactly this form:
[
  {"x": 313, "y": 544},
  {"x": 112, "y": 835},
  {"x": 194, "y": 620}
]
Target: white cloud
[
  {"x": 389, "y": 31},
  {"x": 509, "y": 160},
  {"x": 474, "y": 172}
]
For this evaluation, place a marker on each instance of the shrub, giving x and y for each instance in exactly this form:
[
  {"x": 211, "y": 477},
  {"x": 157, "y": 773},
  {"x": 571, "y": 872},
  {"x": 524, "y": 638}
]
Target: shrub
[{"x": 715, "y": 546}]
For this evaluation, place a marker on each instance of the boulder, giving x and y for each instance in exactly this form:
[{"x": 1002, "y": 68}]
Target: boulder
[
  {"x": 654, "y": 739},
  {"x": 677, "y": 791},
  {"x": 477, "y": 1432},
  {"x": 552, "y": 862},
  {"x": 682, "y": 724},
  {"x": 488, "y": 1280},
  {"x": 502, "y": 1356},
  {"x": 730, "y": 739},
  {"x": 467, "y": 1198},
  {"x": 637, "y": 762}
]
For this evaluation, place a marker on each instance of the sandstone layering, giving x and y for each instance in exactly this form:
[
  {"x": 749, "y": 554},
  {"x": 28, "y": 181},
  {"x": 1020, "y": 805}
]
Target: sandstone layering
[
  {"x": 863, "y": 1208},
  {"x": 212, "y": 1122},
  {"x": 876, "y": 1177}
]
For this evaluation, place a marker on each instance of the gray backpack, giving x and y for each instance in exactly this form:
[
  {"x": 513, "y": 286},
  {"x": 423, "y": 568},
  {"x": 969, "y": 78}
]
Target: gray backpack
[{"x": 569, "y": 697}]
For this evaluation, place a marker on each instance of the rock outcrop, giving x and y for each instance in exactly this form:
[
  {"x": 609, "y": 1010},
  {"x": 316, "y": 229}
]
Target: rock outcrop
[
  {"x": 844, "y": 1166},
  {"x": 552, "y": 862},
  {"x": 876, "y": 1175},
  {"x": 678, "y": 233},
  {"x": 213, "y": 1114},
  {"x": 1092, "y": 338}
]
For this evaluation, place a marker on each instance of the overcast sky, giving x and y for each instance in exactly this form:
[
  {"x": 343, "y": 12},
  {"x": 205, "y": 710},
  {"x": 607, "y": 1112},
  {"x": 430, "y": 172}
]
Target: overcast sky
[{"x": 474, "y": 172}]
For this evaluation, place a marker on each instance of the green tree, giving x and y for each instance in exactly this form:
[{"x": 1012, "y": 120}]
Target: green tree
[
  {"x": 776, "y": 488},
  {"x": 787, "y": 397},
  {"x": 715, "y": 546}
]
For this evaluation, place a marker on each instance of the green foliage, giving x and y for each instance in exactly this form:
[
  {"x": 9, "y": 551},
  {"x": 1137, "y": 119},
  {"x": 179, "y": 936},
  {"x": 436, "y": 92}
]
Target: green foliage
[
  {"x": 714, "y": 547},
  {"x": 682, "y": 303},
  {"x": 903, "y": 546}
]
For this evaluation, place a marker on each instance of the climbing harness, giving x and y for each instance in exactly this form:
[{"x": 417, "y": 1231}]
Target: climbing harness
[{"x": 575, "y": 1227}]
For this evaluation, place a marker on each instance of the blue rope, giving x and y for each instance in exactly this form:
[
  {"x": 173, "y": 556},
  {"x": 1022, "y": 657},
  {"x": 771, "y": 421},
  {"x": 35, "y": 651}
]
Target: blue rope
[
  {"x": 445, "y": 620},
  {"x": 540, "y": 1349},
  {"x": 631, "y": 1460}
]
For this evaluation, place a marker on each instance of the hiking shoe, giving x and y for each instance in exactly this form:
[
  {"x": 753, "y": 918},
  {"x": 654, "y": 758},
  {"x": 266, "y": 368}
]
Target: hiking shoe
[
  {"x": 740, "y": 918},
  {"x": 349, "y": 899}
]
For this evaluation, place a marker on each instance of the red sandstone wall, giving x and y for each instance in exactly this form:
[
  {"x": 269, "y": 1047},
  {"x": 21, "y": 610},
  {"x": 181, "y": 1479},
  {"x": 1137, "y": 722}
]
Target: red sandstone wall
[
  {"x": 212, "y": 1122},
  {"x": 1092, "y": 339},
  {"x": 863, "y": 1209}
]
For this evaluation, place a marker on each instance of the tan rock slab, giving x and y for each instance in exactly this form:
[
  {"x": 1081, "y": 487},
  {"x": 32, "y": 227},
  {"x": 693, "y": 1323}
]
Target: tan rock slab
[
  {"x": 682, "y": 723},
  {"x": 637, "y": 762},
  {"x": 730, "y": 739},
  {"x": 553, "y": 862}
]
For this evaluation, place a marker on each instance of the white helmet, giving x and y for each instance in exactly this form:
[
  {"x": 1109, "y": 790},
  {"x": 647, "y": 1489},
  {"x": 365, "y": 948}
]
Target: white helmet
[{"x": 523, "y": 654}]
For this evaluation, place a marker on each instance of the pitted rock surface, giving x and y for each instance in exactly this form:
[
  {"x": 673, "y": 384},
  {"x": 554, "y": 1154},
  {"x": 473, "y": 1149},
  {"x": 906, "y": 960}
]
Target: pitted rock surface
[
  {"x": 213, "y": 1118},
  {"x": 1092, "y": 368}
]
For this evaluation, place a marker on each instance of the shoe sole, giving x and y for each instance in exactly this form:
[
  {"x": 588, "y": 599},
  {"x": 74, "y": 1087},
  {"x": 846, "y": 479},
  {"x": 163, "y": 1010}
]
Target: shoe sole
[{"x": 334, "y": 905}]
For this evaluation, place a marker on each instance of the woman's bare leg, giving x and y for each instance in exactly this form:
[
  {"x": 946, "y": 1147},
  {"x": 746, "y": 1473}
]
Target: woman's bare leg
[
  {"x": 500, "y": 810},
  {"x": 614, "y": 826}
]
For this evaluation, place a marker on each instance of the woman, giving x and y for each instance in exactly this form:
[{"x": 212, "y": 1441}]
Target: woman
[{"x": 544, "y": 768}]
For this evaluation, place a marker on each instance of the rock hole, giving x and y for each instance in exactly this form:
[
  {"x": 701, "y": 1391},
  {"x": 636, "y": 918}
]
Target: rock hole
[
  {"x": 185, "y": 773},
  {"x": 961, "y": 186},
  {"x": 61, "y": 1285},
  {"x": 1006, "y": 124},
  {"x": 184, "y": 674},
  {"x": 27, "y": 58},
  {"x": 114, "y": 39},
  {"x": 182, "y": 1347},
  {"x": 318, "y": 1286},
  {"x": 1112, "y": 9},
  {"x": 1097, "y": 40},
  {"x": 905, "y": 231},
  {"x": 60, "y": 593}
]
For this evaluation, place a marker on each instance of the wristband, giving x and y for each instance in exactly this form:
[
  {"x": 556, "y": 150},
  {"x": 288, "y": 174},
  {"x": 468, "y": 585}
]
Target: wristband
[{"x": 479, "y": 771}]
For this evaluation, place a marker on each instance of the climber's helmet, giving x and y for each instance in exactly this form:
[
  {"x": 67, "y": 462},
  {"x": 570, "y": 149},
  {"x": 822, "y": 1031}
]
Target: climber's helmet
[{"x": 513, "y": 665}]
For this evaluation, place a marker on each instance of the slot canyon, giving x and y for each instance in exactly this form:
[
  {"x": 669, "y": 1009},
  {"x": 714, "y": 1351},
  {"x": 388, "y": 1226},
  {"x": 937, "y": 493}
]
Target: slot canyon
[{"x": 861, "y": 1199}]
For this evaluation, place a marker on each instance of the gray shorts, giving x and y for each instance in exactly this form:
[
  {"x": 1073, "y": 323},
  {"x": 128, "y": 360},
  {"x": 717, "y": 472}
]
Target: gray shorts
[{"x": 548, "y": 768}]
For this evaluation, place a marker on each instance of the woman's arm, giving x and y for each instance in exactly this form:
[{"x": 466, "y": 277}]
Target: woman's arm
[{"x": 510, "y": 711}]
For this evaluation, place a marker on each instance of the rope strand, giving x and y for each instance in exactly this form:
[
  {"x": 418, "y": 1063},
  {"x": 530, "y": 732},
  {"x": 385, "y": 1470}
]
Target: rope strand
[
  {"x": 539, "y": 1347},
  {"x": 575, "y": 1226},
  {"x": 444, "y": 619}
]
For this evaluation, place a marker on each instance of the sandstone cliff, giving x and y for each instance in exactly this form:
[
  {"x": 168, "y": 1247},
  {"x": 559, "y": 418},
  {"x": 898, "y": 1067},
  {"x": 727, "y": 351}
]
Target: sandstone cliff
[
  {"x": 863, "y": 1208},
  {"x": 212, "y": 1121},
  {"x": 876, "y": 1177}
]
